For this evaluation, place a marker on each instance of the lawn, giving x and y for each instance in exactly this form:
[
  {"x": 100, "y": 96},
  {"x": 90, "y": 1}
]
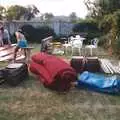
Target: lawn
[{"x": 31, "y": 101}]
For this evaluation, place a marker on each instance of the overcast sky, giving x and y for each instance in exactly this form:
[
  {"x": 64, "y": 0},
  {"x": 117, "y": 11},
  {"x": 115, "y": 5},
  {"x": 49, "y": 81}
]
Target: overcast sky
[{"x": 57, "y": 7}]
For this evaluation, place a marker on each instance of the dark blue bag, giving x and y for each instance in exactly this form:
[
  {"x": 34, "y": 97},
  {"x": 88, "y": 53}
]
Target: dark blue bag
[{"x": 99, "y": 82}]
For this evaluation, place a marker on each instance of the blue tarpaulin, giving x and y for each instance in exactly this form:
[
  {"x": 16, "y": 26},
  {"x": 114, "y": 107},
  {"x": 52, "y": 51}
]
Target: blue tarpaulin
[{"x": 99, "y": 82}]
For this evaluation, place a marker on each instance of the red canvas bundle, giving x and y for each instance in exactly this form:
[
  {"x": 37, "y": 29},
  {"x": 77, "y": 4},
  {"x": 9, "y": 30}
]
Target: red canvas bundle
[{"x": 53, "y": 72}]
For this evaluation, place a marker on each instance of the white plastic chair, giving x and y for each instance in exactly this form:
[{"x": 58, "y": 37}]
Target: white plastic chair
[
  {"x": 67, "y": 45},
  {"x": 94, "y": 44},
  {"x": 74, "y": 42},
  {"x": 77, "y": 42},
  {"x": 77, "y": 36}
]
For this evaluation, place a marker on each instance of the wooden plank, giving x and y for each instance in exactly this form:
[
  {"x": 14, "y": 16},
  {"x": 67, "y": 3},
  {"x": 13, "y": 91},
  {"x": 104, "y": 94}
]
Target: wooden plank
[
  {"x": 3, "y": 48},
  {"x": 7, "y": 47},
  {"x": 103, "y": 65},
  {"x": 14, "y": 65},
  {"x": 108, "y": 66},
  {"x": 113, "y": 67},
  {"x": 6, "y": 52},
  {"x": 13, "y": 45},
  {"x": 6, "y": 58},
  {"x": 20, "y": 57},
  {"x": 28, "y": 47},
  {"x": 117, "y": 68},
  {"x": 9, "y": 57}
]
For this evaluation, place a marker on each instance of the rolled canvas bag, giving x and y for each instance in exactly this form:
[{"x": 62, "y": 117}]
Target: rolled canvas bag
[
  {"x": 15, "y": 73},
  {"x": 81, "y": 64},
  {"x": 99, "y": 82},
  {"x": 52, "y": 71}
]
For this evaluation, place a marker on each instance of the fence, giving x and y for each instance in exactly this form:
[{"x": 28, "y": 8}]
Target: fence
[{"x": 60, "y": 27}]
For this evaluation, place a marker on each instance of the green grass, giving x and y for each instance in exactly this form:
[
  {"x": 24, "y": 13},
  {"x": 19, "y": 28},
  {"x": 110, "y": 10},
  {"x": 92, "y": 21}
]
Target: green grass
[{"x": 31, "y": 101}]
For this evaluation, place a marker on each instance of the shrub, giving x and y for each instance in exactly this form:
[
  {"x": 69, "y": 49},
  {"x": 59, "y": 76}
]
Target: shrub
[
  {"x": 43, "y": 32},
  {"x": 90, "y": 28},
  {"x": 37, "y": 34},
  {"x": 30, "y": 32},
  {"x": 13, "y": 38}
]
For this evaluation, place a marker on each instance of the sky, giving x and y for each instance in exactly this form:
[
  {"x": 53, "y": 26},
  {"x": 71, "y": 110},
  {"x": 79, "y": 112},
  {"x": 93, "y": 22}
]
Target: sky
[{"x": 57, "y": 7}]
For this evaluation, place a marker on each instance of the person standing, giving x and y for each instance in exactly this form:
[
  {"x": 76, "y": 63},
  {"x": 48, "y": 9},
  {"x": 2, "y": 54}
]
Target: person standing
[
  {"x": 21, "y": 43},
  {"x": 6, "y": 37}
]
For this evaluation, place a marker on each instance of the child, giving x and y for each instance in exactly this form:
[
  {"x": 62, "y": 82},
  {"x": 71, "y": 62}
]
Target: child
[{"x": 21, "y": 43}]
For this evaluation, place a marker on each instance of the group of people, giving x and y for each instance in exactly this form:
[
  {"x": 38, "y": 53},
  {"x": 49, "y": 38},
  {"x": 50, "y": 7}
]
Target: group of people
[{"x": 20, "y": 37}]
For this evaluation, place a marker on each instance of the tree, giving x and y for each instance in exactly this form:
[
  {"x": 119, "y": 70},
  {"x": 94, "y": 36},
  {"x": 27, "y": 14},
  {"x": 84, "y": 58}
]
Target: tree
[
  {"x": 107, "y": 12},
  {"x": 47, "y": 16},
  {"x": 2, "y": 12},
  {"x": 98, "y": 8},
  {"x": 31, "y": 11},
  {"x": 73, "y": 17},
  {"x": 88, "y": 28},
  {"x": 15, "y": 12}
]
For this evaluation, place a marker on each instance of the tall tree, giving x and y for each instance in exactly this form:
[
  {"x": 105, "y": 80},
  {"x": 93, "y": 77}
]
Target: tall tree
[
  {"x": 47, "y": 16},
  {"x": 15, "y": 12},
  {"x": 2, "y": 12},
  {"x": 107, "y": 12},
  {"x": 98, "y": 8},
  {"x": 31, "y": 12},
  {"x": 73, "y": 17}
]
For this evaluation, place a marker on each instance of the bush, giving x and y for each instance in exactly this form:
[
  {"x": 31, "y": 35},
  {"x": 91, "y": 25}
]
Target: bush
[
  {"x": 30, "y": 32},
  {"x": 37, "y": 34},
  {"x": 103, "y": 40},
  {"x": 43, "y": 32},
  {"x": 90, "y": 28},
  {"x": 13, "y": 38}
]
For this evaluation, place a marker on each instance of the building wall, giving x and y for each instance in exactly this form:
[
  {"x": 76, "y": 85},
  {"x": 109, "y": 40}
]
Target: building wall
[{"x": 60, "y": 27}]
